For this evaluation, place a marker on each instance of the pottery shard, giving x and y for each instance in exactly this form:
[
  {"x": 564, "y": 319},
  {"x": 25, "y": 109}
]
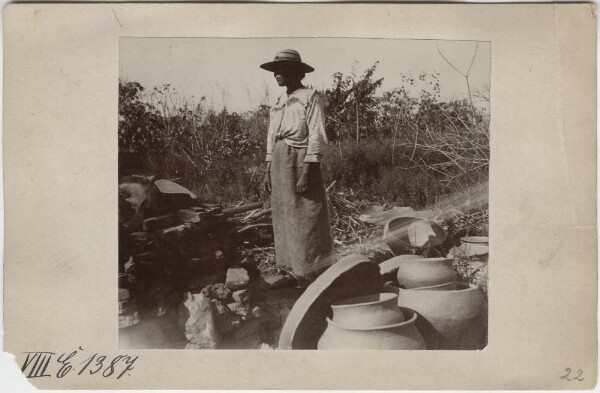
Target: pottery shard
[
  {"x": 351, "y": 276},
  {"x": 197, "y": 322},
  {"x": 169, "y": 187},
  {"x": 237, "y": 278},
  {"x": 156, "y": 223}
]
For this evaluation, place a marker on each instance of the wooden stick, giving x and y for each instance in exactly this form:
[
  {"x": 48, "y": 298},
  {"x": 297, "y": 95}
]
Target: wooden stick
[
  {"x": 243, "y": 208},
  {"x": 258, "y": 214},
  {"x": 247, "y": 216},
  {"x": 248, "y": 227},
  {"x": 330, "y": 186}
]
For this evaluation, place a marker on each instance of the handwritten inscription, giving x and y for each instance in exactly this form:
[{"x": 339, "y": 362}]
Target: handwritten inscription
[
  {"x": 578, "y": 376},
  {"x": 52, "y": 364}
]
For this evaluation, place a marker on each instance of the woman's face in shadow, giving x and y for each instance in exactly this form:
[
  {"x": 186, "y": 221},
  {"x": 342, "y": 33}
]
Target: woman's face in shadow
[{"x": 287, "y": 74}]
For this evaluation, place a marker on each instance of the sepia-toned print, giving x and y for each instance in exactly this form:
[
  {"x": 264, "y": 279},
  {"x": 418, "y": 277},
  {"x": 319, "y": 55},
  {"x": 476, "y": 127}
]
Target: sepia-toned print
[{"x": 303, "y": 193}]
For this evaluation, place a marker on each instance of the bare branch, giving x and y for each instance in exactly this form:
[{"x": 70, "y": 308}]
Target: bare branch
[{"x": 447, "y": 61}]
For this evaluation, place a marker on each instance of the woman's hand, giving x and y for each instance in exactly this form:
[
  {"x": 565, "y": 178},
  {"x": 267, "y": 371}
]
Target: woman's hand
[
  {"x": 302, "y": 184},
  {"x": 267, "y": 180}
]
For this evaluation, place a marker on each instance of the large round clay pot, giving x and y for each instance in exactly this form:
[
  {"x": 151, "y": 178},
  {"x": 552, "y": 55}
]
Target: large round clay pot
[
  {"x": 402, "y": 335},
  {"x": 380, "y": 309},
  {"x": 425, "y": 272},
  {"x": 448, "y": 319},
  {"x": 403, "y": 233}
]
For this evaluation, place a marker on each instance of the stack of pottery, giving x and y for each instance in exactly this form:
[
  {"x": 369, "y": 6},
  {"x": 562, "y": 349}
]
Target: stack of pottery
[
  {"x": 452, "y": 315},
  {"x": 371, "y": 322}
]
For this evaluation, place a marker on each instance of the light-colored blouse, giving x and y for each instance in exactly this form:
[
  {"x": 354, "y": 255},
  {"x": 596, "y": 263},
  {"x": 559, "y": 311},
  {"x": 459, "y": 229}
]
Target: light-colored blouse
[{"x": 299, "y": 119}]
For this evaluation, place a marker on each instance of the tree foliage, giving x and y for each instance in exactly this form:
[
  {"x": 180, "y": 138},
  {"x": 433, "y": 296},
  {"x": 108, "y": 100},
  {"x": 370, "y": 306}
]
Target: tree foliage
[{"x": 352, "y": 103}]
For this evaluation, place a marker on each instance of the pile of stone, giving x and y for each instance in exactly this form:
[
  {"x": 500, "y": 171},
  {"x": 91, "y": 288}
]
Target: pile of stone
[{"x": 182, "y": 267}]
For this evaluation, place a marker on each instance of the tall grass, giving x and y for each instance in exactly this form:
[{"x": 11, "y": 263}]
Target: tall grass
[{"x": 413, "y": 151}]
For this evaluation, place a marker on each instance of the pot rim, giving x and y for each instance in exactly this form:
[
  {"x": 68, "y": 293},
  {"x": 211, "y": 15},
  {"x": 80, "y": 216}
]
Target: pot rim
[
  {"x": 405, "y": 311},
  {"x": 428, "y": 287},
  {"x": 343, "y": 304},
  {"x": 476, "y": 239},
  {"x": 460, "y": 287},
  {"x": 426, "y": 259}
]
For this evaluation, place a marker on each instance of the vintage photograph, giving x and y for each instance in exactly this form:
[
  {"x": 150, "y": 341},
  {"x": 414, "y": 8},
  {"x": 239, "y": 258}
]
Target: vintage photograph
[{"x": 303, "y": 193}]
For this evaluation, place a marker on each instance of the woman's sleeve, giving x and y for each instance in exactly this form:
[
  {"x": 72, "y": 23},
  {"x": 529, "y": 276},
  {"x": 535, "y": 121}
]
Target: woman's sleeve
[{"x": 315, "y": 120}]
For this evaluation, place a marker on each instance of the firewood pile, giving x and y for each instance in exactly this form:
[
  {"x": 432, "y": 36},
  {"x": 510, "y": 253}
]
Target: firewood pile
[{"x": 190, "y": 262}]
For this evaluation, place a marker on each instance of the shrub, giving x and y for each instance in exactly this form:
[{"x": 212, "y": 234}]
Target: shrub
[{"x": 405, "y": 147}]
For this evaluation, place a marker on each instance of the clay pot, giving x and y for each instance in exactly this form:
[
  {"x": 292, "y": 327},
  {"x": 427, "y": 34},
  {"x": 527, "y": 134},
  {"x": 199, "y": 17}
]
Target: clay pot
[
  {"x": 473, "y": 246},
  {"x": 380, "y": 309},
  {"x": 448, "y": 319},
  {"x": 402, "y": 335},
  {"x": 401, "y": 233},
  {"x": 425, "y": 272}
]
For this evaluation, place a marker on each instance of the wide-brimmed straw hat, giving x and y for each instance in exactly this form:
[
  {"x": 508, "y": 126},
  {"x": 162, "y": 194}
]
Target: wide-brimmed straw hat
[{"x": 289, "y": 56}]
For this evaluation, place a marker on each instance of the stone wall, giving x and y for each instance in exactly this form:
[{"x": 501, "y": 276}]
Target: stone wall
[{"x": 185, "y": 280}]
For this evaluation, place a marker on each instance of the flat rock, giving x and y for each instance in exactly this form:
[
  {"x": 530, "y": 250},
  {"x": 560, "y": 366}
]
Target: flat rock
[
  {"x": 188, "y": 215},
  {"x": 123, "y": 294},
  {"x": 351, "y": 276},
  {"x": 239, "y": 308},
  {"x": 135, "y": 191},
  {"x": 178, "y": 237},
  {"x": 128, "y": 320},
  {"x": 241, "y": 296},
  {"x": 237, "y": 278}
]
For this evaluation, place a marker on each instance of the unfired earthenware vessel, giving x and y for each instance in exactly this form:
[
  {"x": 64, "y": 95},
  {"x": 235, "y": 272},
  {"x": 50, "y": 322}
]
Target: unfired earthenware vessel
[{"x": 403, "y": 335}]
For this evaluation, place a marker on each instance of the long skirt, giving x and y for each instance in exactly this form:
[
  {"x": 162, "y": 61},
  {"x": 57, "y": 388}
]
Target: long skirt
[{"x": 301, "y": 224}]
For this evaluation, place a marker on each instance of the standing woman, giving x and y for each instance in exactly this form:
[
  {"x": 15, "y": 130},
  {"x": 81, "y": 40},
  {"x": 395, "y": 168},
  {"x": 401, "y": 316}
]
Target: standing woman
[{"x": 295, "y": 141}]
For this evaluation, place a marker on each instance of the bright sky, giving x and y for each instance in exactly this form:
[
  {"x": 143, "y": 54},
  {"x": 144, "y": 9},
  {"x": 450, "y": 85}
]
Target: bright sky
[{"x": 226, "y": 71}]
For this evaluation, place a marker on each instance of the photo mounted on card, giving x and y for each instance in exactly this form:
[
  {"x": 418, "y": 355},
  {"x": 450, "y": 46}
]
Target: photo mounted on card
[{"x": 398, "y": 187}]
